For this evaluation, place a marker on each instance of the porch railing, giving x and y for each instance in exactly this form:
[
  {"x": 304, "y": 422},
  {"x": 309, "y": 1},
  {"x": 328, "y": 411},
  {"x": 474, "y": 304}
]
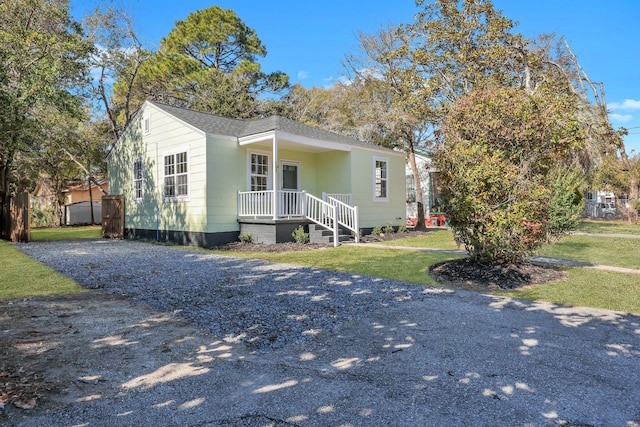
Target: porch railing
[
  {"x": 255, "y": 203},
  {"x": 344, "y": 198},
  {"x": 291, "y": 203},
  {"x": 322, "y": 213},
  {"x": 347, "y": 216},
  {"x": 331, "y": 212}
]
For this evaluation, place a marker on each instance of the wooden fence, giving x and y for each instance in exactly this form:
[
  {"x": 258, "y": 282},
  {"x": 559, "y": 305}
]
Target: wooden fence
[
  {"x": 113, "y": 216},
  {"x": 15, "y": 226}
]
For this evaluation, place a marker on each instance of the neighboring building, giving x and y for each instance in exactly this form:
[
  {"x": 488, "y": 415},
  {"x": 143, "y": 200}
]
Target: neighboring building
[
  {"x": 201, "y": 179},
  {"x": 76, "y": 209},
  {"x": 77, "y": 192},
  {"x": 428, "y": 182},
  {"x": 80, "y": 198},
  {"x": 600, "y": 204}
]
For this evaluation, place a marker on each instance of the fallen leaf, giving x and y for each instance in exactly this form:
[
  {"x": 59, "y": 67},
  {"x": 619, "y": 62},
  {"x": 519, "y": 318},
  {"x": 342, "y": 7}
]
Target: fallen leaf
[{"x": 25, "y": 404}]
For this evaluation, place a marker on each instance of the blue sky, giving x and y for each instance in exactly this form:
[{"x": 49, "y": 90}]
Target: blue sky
[{"x": 309, "y": 40}]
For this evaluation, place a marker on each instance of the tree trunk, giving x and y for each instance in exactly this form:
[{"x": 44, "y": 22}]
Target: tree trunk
[
  {"x": 93, "y": 221},
  {"x": 3, "y": 195},
  {"x": 416, "y": 177},
  {"x": 5, "y": 163},
  {"x": 628, "y": 165}
]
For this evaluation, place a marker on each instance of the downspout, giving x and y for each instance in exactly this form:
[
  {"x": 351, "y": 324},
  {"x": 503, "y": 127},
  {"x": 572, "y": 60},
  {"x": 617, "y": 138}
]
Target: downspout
[{"x": 274, "y": 184}]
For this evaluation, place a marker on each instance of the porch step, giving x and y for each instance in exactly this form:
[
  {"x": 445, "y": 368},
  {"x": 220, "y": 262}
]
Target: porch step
[{"x": 319, "y": 234}]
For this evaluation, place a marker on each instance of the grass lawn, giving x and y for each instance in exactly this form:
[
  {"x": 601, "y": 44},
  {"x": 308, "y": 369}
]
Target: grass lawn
[
  {"x": 582, "y": 287},
  {"x": 588, "y": 288},
  {"x": 611, "y": 227},
  {"x": 66, "y": 233},
  {"x": 409, "y": 266},
  {"x": 613, "y": 251},
  {"x": 23, "y": 277},
  {"x": 437, "y": 239}
]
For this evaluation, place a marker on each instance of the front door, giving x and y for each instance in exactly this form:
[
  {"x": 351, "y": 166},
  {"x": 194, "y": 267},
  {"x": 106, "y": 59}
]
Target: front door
[{"x": 290, "y": 199}]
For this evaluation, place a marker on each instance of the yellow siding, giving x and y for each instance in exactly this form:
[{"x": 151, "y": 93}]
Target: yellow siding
[
  {"x": 372, "y": 212},
  {"x": 225, "y": 177},
  {"x": 166, "y": 136},
  {"x": 334, "y": 172}
]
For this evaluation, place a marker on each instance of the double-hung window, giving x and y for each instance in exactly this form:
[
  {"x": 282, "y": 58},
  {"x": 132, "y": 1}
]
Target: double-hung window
[
  {"x": 176, "y": 182},
  {"x": 259, "y": 172},
  {"x": 380, "y": 179},
  {"x": 138, "y": 179}
]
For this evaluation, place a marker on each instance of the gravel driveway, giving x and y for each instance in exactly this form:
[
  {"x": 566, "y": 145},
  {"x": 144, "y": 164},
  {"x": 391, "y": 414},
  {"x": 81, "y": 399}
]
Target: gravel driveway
[
  {"x": 329, "y": 348},
  {"x": 263, "y": 305}
]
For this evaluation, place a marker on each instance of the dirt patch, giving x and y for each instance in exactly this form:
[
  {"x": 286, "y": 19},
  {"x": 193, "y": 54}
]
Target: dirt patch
[
  {"x": 64, "y": 349},
  {"x": 473, "y": 276}
]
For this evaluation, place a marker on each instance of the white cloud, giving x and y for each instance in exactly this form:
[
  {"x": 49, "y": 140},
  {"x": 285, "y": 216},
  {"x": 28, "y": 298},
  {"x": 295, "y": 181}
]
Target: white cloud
[
  {"x": 303, "y": 75},
  {"x": 370, "y": 72},
  {"x": 621, "y": 118},
  {"x": 628, "y": 104}
]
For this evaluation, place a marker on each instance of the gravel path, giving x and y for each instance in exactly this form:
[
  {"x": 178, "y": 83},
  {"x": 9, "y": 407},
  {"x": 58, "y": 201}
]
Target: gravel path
[{"x": 265, "y": 306}]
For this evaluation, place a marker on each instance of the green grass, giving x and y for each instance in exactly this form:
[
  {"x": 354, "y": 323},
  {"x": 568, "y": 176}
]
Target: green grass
[
  {"x": 613, "y": 251},
  {"x": 438, "y": 239},
  {"x": 66, "y": 233},
  {"x": 24, "y": 277},
  {"x": 409, "y": 266},
  {"x": 582, "y": 287},
  {"x": 588, "y": 288},
  {"x": 610, "y": 227}
]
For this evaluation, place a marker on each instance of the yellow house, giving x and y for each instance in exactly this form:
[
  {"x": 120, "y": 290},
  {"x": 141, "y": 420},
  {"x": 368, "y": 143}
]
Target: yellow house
[{"x": 201, "y": 179}]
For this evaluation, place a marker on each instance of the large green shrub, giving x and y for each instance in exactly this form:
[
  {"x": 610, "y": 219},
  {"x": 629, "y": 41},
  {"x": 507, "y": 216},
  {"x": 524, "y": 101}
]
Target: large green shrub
[{"x": 497, "y": 162}]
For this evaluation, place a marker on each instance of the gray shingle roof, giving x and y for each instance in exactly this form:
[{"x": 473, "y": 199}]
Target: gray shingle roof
[
  {"x": 238, "y": 128},
  {"x": 206, "y": 122}
]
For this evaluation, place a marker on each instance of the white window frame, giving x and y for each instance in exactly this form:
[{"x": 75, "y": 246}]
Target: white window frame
[
  {"x": 269, "y": 167},
  {"x": 290, "y": 163},
  {"x": 176, "y": 174},
  {"x": 139, "y": 180},
  {"x": 376, "y": 179}
]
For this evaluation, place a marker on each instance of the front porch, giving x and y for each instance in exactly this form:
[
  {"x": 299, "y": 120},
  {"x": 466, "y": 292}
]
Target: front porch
[{"x": 271, "y": 216}]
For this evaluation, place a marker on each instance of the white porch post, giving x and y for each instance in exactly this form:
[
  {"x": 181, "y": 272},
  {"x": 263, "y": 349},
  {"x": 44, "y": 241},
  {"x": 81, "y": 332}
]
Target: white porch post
[{"x": 275, "y": 177}]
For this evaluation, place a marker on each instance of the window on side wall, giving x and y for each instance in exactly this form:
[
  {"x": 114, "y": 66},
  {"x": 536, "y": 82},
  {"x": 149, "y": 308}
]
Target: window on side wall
[
  {"x": 380, "y": 179},
  {"x": 146, "y": 124},
  {"x": 176, "y": 180},
  {"x": 138, "y": 179}
]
